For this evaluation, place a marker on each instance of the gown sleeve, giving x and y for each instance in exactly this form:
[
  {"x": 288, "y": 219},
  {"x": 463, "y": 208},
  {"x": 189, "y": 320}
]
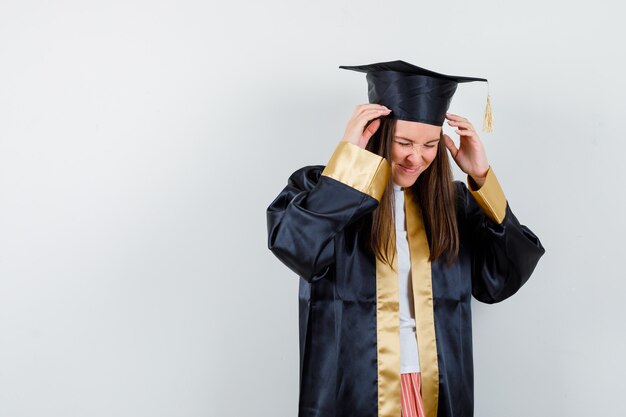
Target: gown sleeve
[
  {"x": 504, "y": 252},
  {"x": 318, "y": 202}
]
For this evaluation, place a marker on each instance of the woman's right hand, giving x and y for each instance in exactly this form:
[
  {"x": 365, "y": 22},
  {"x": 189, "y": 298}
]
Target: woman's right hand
[{"x": 356, "y": 131}]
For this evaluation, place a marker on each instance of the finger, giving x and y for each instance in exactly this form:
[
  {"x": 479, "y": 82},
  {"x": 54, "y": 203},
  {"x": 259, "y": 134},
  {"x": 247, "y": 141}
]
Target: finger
[
  {"x": 358, "y": 109},
  {"x": 372, "y": 114},
  {"x": 455, "y": 117},
  {"x": 466, "y": 125},
  {"x": 465, "y": 133},
  {"x": 361, "y": 108},
  {"x": 450, "y": 145},
  {"x": 371, "y": 129}
]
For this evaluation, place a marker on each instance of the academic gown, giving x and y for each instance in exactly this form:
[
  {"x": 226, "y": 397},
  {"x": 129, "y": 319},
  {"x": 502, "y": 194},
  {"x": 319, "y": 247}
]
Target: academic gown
[{"x": 348, "y": 299}]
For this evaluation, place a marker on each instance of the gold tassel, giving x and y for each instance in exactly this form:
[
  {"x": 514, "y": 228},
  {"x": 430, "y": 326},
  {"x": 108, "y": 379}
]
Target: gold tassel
[{"x": 488, "y": 118}]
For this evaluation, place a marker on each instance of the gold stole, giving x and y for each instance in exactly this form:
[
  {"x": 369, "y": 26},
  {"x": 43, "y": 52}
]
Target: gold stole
[{"x": 388, "y": 320}]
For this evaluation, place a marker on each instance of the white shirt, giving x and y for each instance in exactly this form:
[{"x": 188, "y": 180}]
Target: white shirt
[{"x": 409, "y": 356}]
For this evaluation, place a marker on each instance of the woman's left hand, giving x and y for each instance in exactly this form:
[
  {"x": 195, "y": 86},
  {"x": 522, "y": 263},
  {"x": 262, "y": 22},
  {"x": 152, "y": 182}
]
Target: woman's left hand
[{"x": 470, "y": 156}]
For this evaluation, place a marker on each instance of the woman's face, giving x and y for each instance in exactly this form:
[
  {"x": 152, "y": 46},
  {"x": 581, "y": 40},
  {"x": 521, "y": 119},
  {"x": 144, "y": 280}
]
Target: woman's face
[{"x": 413, "y": 149}]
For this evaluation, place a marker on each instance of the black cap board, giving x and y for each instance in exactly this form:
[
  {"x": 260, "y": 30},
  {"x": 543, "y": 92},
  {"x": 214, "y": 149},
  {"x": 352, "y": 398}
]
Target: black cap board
[{"x": 411, "y": 92}]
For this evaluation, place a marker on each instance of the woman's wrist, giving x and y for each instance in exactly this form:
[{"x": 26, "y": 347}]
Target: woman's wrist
[{"x": 479, "y": 180}]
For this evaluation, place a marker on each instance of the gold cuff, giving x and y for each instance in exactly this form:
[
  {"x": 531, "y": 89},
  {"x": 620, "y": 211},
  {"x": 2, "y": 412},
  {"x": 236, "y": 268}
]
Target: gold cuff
[
  {"x": 490, "y": 196},
  {"x": 359, "y": 169}
]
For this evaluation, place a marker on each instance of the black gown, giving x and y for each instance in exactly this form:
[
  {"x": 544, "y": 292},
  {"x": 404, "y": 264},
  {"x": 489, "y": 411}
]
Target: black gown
[{"x": 348, "y": 299}]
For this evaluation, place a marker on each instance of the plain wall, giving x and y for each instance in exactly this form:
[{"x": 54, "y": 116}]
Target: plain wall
[{"x": 141, "y": 142}]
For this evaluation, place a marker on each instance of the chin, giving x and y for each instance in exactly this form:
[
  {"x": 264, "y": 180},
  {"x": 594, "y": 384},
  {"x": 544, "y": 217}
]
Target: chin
[{"x": 404, "y": 181}]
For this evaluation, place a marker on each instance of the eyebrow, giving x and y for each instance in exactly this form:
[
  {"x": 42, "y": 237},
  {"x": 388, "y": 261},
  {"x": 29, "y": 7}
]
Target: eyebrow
[{"x": 409, "y": 140}]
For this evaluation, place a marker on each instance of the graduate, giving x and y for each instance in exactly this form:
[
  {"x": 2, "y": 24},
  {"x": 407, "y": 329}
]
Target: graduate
[{"x": 390, "y": 249}]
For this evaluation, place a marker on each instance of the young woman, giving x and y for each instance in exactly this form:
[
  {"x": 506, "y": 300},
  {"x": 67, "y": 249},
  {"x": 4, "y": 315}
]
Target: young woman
[{"x": 390, "y": 250}]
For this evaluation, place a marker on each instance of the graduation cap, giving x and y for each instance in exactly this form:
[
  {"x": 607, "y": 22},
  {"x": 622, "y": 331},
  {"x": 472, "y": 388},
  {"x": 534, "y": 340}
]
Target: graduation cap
[{"x": 413, "y": 93}]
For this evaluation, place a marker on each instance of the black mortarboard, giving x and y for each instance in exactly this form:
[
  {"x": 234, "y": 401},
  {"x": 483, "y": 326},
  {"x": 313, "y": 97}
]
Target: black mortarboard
[{"x": 413, "y": 93}]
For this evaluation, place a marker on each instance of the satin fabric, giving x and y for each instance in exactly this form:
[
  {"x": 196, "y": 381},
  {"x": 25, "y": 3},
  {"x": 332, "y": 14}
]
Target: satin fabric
[
  {"x": 411, "y": 97},
  {"x": 411, "y": 92},
  {"x": 317, "y": 226}
]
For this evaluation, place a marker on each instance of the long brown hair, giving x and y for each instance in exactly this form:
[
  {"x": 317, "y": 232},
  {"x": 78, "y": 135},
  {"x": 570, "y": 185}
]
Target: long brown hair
[{"x": 435, "y": 192}]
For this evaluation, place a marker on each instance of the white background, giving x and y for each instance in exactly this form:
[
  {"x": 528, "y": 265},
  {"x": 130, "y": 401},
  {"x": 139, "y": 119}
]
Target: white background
[{"x": 141, "y": 142}]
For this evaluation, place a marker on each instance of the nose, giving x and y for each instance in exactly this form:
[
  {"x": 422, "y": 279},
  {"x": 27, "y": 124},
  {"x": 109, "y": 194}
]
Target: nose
[{"x": 416, "y": 153}]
